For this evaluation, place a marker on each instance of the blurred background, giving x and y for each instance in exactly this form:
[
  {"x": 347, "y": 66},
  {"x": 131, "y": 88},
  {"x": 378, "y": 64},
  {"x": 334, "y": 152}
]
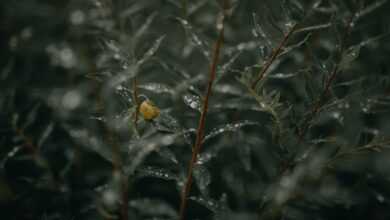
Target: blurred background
[{"x": 310, "y": 142}]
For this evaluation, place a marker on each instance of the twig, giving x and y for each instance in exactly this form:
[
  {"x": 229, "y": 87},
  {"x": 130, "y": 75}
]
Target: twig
[
  {"x": 273, "y": 56},
  {"x": 377, "y": 147},
  {"x": 118, "y": 169},
  {"x": 290, "y": 164},
  {"x": 317, "y": 106},
  {"x": 136, "y": 102},
  {"x": 202, "y": 120}
]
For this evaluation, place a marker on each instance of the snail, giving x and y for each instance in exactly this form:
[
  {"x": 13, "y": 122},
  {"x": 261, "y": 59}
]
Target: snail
[{"x": 148, "y": 110}]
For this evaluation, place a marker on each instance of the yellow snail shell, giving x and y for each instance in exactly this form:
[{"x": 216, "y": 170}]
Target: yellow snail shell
[{"x": 148, "y": 110}]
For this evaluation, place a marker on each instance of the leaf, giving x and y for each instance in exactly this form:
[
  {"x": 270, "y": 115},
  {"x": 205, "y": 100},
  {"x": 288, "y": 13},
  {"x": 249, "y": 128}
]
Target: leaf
[
  {"x": 209, "y": 203},
  {"x": 244, "y": 153},
  {"x": 369, "y": 9},
  {"x": 295, "y": 46},
  {"x": 293, "y": 9},
  {"x": 218, "y": 207},
  {"x": 259, "y": 32},
  {"x": 166, "y": 153},
  {"x": 151, "y": 51},
  {"x": 9, "y": 155},
  {"x": 141, "y": 148},
  {"x": 166, "y": 123},
  {"x": 112, "y": 46},
  {"x": 31, "y": 117},
  {"x": 281, "y": 75},
  {"x": 193, "y": 102},
  {"x": 195, "y": 39},
  {"x": 349, "y": 55},
  {"x": 228, "y": 89},
  {"x": 90, "y": 142},
  {"x": 314, "y": 27},
  {"x": 153, "y": 207},
  {"x": 157, "y": 88},
  {"x": 133, "y": 69},
  {"x": 353, "y": 52},
  {"x": 45, "y": 134},
  {"x": 171, "y": 68},
  {"x": 203, "y": 178},
  {"x": 156, "y": 172},
  {"x": 228, "y": 128},
  {"x": 141, "y": 30},
  {"x": 223, "y": 70}
]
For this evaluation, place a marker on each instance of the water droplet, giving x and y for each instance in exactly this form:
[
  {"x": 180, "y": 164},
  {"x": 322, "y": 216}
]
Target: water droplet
[
  {"x": 380, "y": 198},
  {"x": 289, "y": 25},
  {"x": 192, "y": 101},
  {"x": 157, "y": 88},
  {"x": 228, "y": 128},
  {"x": 338, "y": 116},
  {"x": 254, "y": 32},
  {"x": 157, "y": 173},
  {"x": 282, "y": 75},
  {"x": 77, "y": 17},
  {"x": 26, "y": 33},
  {"x": 110, "y": 197},
  {"x": 62, "y": 56},
  {"x": 71, "y": 100},
  {"x": 207, "y": 202}
]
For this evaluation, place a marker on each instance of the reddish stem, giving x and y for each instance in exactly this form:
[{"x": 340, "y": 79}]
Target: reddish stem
[
  {"x": 202, "y": 121},
  {"x": 274, "y": 55}
]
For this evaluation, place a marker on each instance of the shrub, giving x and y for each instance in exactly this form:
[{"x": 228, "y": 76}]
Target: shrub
[{"x": 194, "y": 109}]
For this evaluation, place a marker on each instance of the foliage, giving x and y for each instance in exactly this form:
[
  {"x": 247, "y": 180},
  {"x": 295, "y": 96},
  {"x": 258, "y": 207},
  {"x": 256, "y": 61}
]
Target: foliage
[{"x": 279, "y": 108}]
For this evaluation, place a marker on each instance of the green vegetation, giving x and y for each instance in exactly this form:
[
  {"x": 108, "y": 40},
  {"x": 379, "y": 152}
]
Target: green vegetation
[{"x": 178, "y": 109}]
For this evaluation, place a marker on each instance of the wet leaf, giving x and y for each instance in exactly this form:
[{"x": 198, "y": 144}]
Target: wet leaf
[
  {"x": 203, "y": 178},
  {"x": 156, "y": 172},
  {"x": 168, "y": 154},
  {"x": 151, "y": 51},
  {"x": 349, "y": 55},
  {"x": 229, "y": 128},
  {"x": 282, "y": 75},
  {"x": 153, "y": 207},
  {"x": 193, "y": 102},
  {"x": 196, "y": 40},
  {"x": 46, "y": 133}
]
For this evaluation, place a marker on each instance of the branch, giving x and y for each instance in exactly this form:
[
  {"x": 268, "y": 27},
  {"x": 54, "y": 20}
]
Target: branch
[
  {"x": 202, "y": 121},
  {"x": 136, "y": 102},
  {"x": 273, "y": 56},
  {"x": 317, "y": 106}
]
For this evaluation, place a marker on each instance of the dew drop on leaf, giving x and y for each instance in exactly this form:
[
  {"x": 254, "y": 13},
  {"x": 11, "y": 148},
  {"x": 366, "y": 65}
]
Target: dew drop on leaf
[{"x": 192, "y": 101}]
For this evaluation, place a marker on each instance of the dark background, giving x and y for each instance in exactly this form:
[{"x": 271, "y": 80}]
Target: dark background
[{"x": 66, "y": 109}]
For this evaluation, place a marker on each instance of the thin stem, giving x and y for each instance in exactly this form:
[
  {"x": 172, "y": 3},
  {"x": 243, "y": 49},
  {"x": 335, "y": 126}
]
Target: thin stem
[
  {"x": 273, "y": 56},
  {"x": 136, "y": 102},
  {"x": 202, "y": 120},
  {"x": 317, "y": 106},
  {"x": 125, "y": 196},
  {"x": 118, "y": 169},
  {"x": 369, "y": 147}
]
